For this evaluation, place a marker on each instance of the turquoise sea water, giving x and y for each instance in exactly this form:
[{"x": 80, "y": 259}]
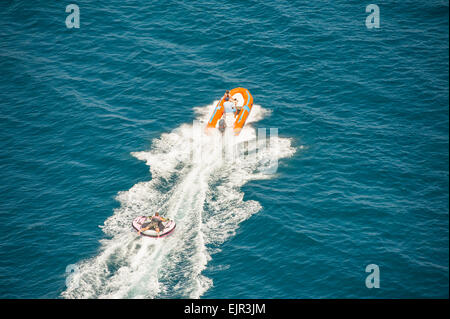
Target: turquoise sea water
[{"x": 96, "y": 123}]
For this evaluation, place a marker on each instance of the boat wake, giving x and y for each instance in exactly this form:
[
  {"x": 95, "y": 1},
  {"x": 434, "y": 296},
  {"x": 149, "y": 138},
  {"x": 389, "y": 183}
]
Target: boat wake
[{"x": 196, "y": 180}]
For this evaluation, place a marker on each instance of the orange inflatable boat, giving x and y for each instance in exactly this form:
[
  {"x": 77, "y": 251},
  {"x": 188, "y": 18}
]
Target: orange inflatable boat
[{"x": 244, "y": 104}]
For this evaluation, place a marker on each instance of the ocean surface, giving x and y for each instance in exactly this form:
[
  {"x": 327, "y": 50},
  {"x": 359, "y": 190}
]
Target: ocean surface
[{"x": 99, "y": 125}]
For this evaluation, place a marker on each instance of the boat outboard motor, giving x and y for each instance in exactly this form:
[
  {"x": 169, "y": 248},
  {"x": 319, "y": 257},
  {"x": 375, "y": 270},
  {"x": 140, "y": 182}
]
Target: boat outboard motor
[{"x": 222, "y": 125}]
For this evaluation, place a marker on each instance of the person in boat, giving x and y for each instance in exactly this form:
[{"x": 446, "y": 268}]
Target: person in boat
[
  {"x": 229, "y": 104},
  {"x": 155, "y": 223},
  {"x": 228, "y": 98}
]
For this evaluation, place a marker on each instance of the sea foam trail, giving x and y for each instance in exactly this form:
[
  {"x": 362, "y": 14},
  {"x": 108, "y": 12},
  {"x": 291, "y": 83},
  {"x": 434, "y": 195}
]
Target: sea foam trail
[{"x": 198, "y": 186}]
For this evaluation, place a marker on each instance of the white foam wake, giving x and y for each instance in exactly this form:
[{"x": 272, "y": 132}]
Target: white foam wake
[{"x": 197, "y": 186}]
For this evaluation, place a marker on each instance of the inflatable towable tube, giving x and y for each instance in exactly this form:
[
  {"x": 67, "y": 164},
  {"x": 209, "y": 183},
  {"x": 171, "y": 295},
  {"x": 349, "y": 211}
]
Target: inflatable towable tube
[
  {"x": 245, "y": 103},
  {"x": 169, "y": 227}
]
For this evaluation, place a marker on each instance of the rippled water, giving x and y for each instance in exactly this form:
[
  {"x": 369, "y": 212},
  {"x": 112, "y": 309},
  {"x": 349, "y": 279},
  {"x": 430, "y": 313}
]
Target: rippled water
[{"x": 97, "y": 124}]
